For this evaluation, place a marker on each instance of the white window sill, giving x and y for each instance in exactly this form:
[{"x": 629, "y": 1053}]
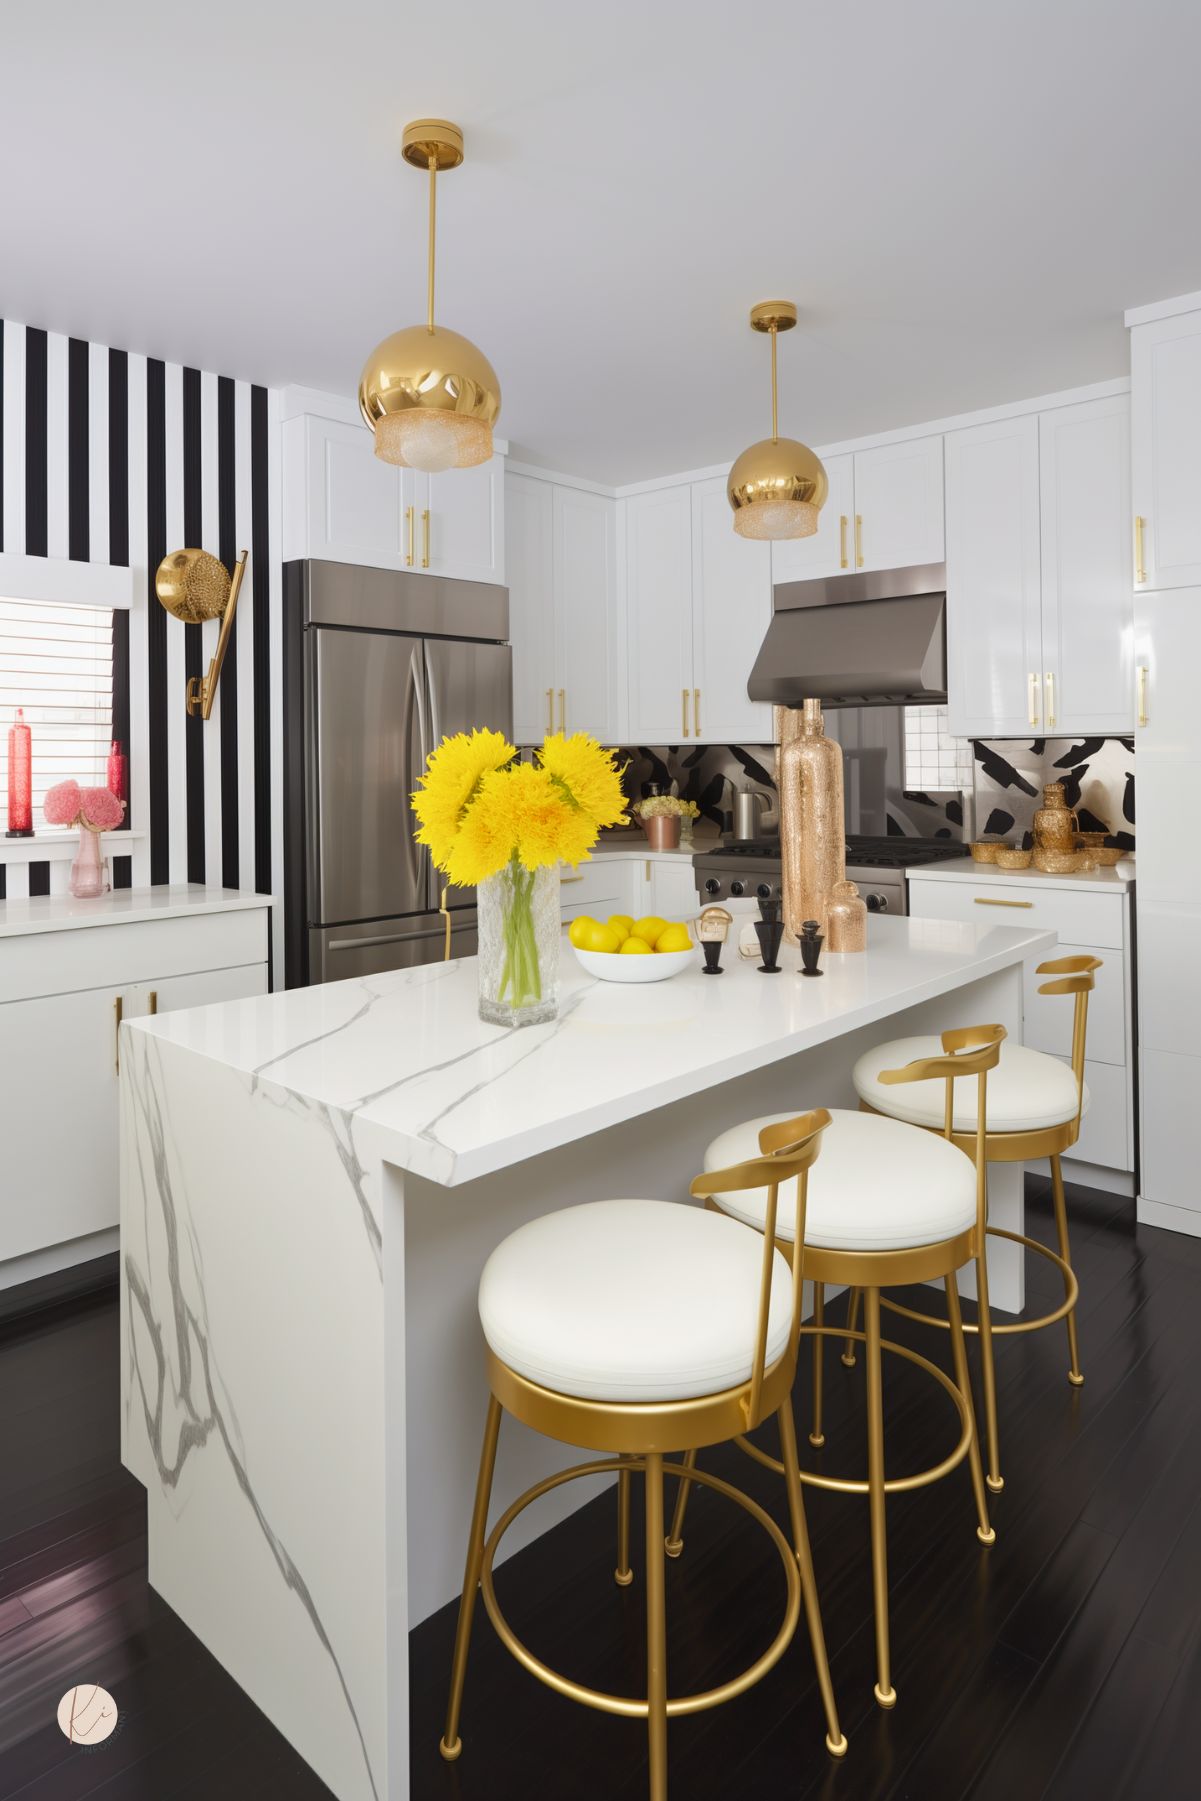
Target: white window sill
[{"x": 55, "y": 845}]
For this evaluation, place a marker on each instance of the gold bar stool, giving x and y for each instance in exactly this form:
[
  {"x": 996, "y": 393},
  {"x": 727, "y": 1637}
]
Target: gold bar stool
[
  {"x": 1035, "y": 1106},
  {"x": 886, "y": 1206},
  {"x": 642, "y": 1330}
]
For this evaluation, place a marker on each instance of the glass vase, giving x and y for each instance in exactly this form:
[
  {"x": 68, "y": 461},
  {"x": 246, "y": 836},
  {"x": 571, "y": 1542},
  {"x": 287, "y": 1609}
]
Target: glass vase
[
  {"x": 520, "y": 929},
  {"x": 86, "y": 880}
]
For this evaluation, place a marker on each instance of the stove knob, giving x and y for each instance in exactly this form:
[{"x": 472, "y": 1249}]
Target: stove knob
[
  {"x": 763, "y": 891},
  {"x": 712, "y": 886},
  {"x": 737, "y": 888},
  {"x": 876, "y": 903}
]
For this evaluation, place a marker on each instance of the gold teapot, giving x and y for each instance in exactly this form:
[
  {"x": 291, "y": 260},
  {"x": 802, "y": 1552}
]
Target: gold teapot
[{"x": 1055, "y": 824}]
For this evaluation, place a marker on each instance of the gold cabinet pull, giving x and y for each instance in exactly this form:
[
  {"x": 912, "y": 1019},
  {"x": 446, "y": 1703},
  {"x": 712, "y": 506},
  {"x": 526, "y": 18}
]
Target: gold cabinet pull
[
  {"x": 570, "y": 878},
  {"x": 1050, "y": 681},
  {"x": 153, "y": 1002},
  {"x": 410, "y": 516},
  {"x": 696, "y": 712},
  {"x": 858, "y": 540},
  {"x": 1143, "y": 672},
  {"x": 684, "y": 710},
  {"x": 425, "y": 538},
  {"x": 1140, "y": 561},
  {"x": 118, "y": 1010},
  {"x": 1032, "y": 698},
  {"x": 842, "y": 541},
  {"x": 984, "y": 900},
  {"x": 562, "y": 709},
  {"x": 550, "y": 709}
]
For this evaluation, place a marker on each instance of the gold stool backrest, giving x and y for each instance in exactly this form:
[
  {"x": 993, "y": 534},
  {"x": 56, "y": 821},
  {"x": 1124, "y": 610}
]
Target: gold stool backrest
[
  {"x": 789, "y": 1150},
  {"x": 1075, "y": 976},
  {"x": 967, "y": 1051}
]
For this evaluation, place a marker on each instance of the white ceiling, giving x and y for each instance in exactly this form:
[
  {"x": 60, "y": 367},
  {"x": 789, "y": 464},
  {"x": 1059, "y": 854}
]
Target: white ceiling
[{"x": 961, "y": 198}]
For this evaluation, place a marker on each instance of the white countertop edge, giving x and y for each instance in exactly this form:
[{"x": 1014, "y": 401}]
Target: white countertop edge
[
  {"x": 24, "y": 915},
  {"x": 966, "y": 869}
]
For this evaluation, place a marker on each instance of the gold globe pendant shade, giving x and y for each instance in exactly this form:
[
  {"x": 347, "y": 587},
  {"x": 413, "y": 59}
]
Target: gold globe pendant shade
[
  {"x": 778, "y": 486},
  {"x": 429, "y": 395}
]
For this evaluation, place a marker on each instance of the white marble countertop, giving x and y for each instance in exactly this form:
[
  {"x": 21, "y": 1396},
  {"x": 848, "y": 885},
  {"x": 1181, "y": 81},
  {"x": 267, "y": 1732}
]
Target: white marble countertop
[
  {"x": 122, "y": 906},
  {"x": 451, "y": 1098},
  {"x": 639, "y": 849},
  {"x": 966, "y": 869}
]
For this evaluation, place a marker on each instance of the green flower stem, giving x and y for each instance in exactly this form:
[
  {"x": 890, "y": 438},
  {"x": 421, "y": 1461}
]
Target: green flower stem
[{"x": 521, "y": 975}]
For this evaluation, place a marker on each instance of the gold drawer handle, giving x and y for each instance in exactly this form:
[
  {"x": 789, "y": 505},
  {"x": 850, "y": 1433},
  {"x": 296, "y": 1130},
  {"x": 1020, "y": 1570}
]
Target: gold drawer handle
[
  {"x": 983, "y": 900},
  {"x": 409, "y": 550},
  {"x": 1032, "y": 685},
  {"x": 1142, "y": 693},
  {"x": 1140, "y": 561},
  {"x": 425, "y": 538},
  {"x": 1050, "y": 680},
  {"x": 118, "y": 1010},
  {"x": 550, "y": 710},
  {"x": 571, "y": 878},
  {"x": 858, "y": 540},
  {"x": 562, "y": 709},
  {"x": 684, "y": 710},
  {"x": 696, "y": 712},
  {"x": 842, "y": 542}
]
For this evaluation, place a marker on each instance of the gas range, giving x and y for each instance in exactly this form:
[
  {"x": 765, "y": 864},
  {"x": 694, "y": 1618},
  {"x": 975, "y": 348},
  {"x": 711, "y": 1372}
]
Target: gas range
[{"x": 749, "y": 871}]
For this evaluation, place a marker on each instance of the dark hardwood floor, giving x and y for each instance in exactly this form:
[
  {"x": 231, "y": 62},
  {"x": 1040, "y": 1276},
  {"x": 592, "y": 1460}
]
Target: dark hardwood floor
[{"x": 1064, "y": 1663}]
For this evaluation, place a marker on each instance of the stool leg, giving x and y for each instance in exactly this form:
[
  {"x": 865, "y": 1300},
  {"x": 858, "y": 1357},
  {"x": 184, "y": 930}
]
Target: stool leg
[
  {"x": 836, "y": 1743},
  {"x": 451, "y": 1744},
  {"x": 674, "y": 1544},
  {"x": 623, "y": 1575},
  {"x": 886, "y": 1694},
  {"x": 848, "y": 1356},
  {"x": 816, "y": 1435},
  {"x": 1061, "y": 1227},
  {"x": 988, "y": 1368},
  {"x": 656, "y": 1629},
  {"x": 984, "y": 1531}
]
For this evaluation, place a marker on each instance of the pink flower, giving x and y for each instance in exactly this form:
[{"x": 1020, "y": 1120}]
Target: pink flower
[
  {"x": 100, "y": 809},
  {"x": 62, "y": 803}
]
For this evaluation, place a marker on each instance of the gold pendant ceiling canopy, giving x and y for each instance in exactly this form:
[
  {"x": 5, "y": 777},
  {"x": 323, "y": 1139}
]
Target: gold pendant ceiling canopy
[
  {"x": 428, "y": 394},
  {"x": 777, "y": 487}
]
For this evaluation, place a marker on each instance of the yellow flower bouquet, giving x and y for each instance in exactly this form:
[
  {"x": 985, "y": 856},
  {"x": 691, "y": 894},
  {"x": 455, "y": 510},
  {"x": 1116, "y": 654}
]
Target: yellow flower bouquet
[{"x": 503, "y": 827}]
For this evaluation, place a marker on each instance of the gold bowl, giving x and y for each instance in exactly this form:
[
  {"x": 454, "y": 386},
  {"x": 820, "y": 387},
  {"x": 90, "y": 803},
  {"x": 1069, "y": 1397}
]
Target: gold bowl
[
  {"x": 1057, "y": 862},
  {"x": 985, "y": 852},
  {"x": 1008, "y": 858},
  {"x": 1109, "y": 854}
]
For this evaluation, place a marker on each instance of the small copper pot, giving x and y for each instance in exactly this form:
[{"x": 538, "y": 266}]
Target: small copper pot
[{"x": 663, "y": 831}]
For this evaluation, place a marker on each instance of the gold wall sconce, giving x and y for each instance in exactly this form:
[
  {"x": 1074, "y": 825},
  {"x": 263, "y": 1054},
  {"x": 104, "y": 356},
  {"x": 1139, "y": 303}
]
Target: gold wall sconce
[{"x": 195, "y": 587}]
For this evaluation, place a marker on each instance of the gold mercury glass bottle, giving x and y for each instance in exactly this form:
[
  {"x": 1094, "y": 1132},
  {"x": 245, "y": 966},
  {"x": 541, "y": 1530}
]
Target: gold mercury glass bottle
[
  {"x": 812, "y": 832},
  {"x": 1055, "y": 825},
  {"x": 848, "y": 918}
]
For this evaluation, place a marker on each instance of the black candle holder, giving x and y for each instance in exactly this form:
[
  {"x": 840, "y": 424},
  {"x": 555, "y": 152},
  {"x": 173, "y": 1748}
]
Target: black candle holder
[
  {"x": 769, "y": 933},
  {"x": 712, "y": 950},
  {"x": 811, "y": 941}
]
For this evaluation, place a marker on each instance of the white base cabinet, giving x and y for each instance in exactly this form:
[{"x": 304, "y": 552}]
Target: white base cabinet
[
  {"x": 628, "y": 882},
  {"x": 63, "y": 994}
]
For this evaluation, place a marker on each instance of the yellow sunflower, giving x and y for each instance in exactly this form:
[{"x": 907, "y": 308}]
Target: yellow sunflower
[
  {"x": 588, "y": 774},
  {"x": 518, "y": 812},
  {"x": 453, "y": 776}
]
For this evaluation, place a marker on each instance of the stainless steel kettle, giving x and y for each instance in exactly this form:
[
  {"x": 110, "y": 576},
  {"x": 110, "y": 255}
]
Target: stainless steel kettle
[{"x": 747, "y": 814}]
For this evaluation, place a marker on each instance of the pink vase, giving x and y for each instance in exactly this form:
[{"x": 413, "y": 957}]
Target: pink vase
[{"x": 87, "y": 871}]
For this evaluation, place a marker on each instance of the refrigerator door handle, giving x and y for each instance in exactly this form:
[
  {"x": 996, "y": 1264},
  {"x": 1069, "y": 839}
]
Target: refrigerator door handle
[{"x": 359, "y": 944}]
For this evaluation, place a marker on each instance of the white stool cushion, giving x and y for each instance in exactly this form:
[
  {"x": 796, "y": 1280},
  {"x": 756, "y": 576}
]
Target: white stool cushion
[
  {"x": 876, "y": 1186},
  {"x": 1027, "y": 1091},
  {"x": 632, "y": 1301}
]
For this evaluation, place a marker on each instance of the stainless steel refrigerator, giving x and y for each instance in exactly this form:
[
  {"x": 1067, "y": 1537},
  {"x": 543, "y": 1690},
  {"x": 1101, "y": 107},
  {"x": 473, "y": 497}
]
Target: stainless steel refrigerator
[{"x": 379, "y": 667}]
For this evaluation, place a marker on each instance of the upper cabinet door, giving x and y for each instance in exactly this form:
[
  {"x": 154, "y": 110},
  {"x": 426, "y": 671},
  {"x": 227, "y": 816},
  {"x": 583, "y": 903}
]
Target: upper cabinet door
[
  {"x": 585, "y": 576},
  {"x": 731, "y": 584},
  {"x": 828, "y": 551},
  {"x": 459, "y": 521},
  {"x": 1167, "y": 654},
  {"x": 994, "y": 625},
  {"x": 354, "y": 501},
  {"x": 658, "y": 529},
  {"x": 898, "y": 505},
  {"x": 529, "y": 533},
  {"x": 1088, "y": 607},
  {"x": 1165, "y": 369}
]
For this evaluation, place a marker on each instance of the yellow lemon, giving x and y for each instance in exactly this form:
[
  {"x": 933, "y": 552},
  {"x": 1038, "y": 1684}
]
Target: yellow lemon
[
  {"x": 579, "y": 929},
  {"x": 621, "y": 922},
  {"x": 648, "y": 929},
  {"x": 601, "y": 938},
  {"x": 635, "y": 947},
  {"x": 674, "y": 938}
]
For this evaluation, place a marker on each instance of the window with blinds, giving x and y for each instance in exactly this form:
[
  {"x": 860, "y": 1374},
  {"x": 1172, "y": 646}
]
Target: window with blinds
[{"x": 57, "y": 663}]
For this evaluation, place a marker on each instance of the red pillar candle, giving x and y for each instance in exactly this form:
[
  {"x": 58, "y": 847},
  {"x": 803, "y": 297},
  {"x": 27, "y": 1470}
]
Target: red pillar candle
[
  {"x": 118, "y": 764},
  {"x": 20, "y": 778}
]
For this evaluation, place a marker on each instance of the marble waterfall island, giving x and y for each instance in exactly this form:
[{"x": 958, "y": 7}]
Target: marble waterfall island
[{"x": 311, "y": 1183}]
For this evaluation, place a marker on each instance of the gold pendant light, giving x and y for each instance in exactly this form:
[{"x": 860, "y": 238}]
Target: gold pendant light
[
  {"x": 428, "y": 394},
  {"x": 777, "y": 487}
]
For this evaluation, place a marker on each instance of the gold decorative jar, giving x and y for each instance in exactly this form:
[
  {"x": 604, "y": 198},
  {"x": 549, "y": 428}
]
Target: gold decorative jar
[
  {"x": 848, "y": 918},
  {"x": 1055, "y": 824},
  {"x": 812, "y": 832}
]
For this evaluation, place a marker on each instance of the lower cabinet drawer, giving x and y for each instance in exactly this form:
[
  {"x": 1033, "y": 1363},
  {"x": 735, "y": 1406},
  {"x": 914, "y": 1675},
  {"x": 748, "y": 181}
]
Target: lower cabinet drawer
[
  {"x": 113, "y": 956},
  {"x": 1105, "y": 1135},
  {"x": 1047, "y": 1018},
  {"x": 1079, "y": 917}
]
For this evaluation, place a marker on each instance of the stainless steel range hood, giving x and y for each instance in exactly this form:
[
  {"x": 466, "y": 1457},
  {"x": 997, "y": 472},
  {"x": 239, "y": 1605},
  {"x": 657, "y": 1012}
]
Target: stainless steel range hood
[{"x": 872, "y": 640}]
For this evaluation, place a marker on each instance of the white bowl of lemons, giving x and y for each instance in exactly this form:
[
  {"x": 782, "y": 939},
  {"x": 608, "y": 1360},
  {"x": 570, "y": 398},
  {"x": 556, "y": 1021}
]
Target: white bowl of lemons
[{"x": 622, "y": 949}]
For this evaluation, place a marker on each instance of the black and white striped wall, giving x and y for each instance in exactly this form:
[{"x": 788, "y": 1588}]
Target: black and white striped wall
[{"x": 111, "y": 457}]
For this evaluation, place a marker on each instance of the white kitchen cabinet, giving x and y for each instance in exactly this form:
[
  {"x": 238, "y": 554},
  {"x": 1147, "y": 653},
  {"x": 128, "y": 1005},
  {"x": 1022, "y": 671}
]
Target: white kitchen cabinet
[
  {"x": 829, "y": 550},
  {"x": 343, "y": 505},
  {"x": 731, "y": 578},
  {"x": 1165, "y": 370},
  {"x": 659, "y": 548},
  {"x": 994, "y": 603},
  {"x": 669, "y": 888},
  {"x": 898, "y": 513},
  {"x": 64, "y": 988},
  {"x": 561, "y": 555},
  {"x": 1167, "y": 655}
]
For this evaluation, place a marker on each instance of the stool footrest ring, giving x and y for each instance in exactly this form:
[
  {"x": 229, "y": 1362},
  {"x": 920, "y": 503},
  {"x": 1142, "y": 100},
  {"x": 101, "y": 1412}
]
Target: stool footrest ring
[
  {"x": 848, "y": 1485},
  {"x": 1071, "y": 1295},
  {"x": 630, "y": 1707}
]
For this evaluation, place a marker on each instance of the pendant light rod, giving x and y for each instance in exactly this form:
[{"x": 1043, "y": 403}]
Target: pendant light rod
[
  {"x": 775, "y": 402},
  {"x": 433, "y": 237}
]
